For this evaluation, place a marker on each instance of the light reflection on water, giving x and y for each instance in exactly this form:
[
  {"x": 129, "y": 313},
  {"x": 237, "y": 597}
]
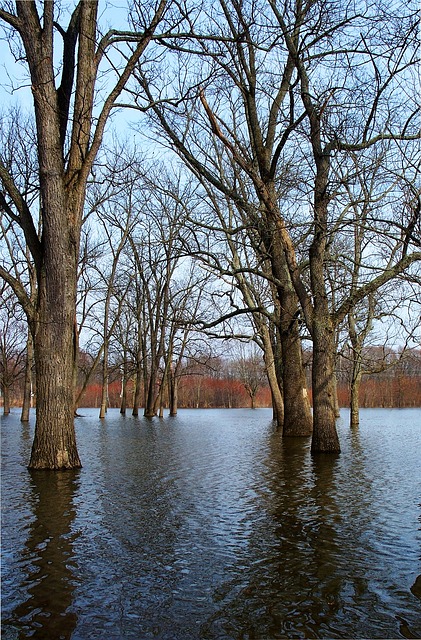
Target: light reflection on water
[{"x": 208, "y": 525}]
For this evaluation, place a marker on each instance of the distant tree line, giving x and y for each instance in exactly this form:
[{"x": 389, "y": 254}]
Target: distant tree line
[{"x": 392, "y": 380}]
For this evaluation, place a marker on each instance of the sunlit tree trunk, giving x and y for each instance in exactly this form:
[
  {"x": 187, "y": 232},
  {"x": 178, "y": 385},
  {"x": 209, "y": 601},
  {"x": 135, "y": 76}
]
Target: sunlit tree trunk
[
  {"x": 54, "y": 445},
  {"x": 298, "y": 419},
  {"x": 325, "y": 437}
]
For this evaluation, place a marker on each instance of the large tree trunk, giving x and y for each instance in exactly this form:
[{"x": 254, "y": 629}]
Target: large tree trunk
[
  {"x": 297, "y": 412},
  {"x": 56, "y": 255},
  {"x": 54, "y": 445},
  {"x": 298, "y": 420},
  {"x": 325, "y": 437}
]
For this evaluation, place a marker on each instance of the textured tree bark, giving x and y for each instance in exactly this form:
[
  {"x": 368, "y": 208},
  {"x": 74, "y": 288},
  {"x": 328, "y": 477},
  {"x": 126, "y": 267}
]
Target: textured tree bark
[
  {"x": 325, "y": 438},
  {"x": 54, "y": 445},
  {"x": 298, "y": 420},
  {"x": 56, "y": 256}
]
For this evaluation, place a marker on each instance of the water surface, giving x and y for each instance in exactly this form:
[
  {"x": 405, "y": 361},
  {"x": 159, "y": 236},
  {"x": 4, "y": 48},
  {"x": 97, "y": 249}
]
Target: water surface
[{"x": 208, "y": 525}]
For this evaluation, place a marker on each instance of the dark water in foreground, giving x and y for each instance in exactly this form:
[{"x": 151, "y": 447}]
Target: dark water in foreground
[{"x": 209, "y": 526}]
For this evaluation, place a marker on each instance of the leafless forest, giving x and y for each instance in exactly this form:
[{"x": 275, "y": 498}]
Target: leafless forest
[{"x": 209, "y": 204}]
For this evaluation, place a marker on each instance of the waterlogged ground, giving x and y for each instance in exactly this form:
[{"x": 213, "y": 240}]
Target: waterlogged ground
[{"x": 209, "y": 526}]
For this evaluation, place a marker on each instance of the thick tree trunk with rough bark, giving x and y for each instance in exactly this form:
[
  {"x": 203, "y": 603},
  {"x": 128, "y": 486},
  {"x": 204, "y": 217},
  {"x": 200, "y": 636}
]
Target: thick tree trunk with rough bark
[
  {"x": 297, "y": 412},
  {"x": 298, "y": 420},
  {"x": 325, "y": 438},
  {"x": 54, "y": 445}
]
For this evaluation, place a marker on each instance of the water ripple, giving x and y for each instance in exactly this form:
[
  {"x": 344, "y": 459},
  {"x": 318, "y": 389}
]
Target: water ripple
[{"x": 210, "y": 526}]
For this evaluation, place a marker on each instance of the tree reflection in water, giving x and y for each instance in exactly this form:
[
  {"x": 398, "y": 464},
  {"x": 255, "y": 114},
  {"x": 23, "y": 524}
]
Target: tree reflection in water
[
  {"x": 47, "y": 555},
  {"x": 210, "y": 526}
]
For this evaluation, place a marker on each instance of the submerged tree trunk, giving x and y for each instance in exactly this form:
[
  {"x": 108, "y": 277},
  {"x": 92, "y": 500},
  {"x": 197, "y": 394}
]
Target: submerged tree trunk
[
  {"x": 67, "y": 144},
  {"x": 6, "y": 400},
  {"x": 150, "y": 404},
  {"x": 325, "y": 438},
  {"x": 355, "y": 399},
  {"x": 104, "y": 388},
  {"x": 173, "y": 391},
  {"x": 27, "y": 390},
  {"x": 298, "y": 420},
  {"x": 137, "y": 397},
  {"x": 54, "y": 445}
]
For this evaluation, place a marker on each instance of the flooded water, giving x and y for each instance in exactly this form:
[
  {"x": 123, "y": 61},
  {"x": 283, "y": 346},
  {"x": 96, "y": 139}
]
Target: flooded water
[{"x": 209, "y": 526}]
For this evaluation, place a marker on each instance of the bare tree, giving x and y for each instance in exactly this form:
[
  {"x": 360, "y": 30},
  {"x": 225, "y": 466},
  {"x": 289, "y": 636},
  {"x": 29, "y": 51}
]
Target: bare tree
[
  {"x": 69, "y": 131},
  {"x": 12, "y": 346},
  {"x": 226, "y": 244},
  {"x": 249, "y": 367},
  {"x": 286, "y": 95},
  {"x": 314, "y": 41}
]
